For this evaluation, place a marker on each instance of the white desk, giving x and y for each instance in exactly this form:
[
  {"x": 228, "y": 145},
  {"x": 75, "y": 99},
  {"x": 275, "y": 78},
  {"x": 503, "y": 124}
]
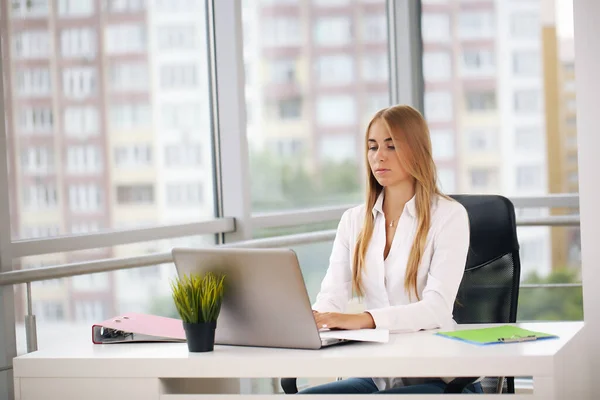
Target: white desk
[{"x": 158, "y": 371}]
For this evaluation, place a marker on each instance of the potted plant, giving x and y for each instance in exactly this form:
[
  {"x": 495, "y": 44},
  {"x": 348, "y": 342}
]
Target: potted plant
[{"x": 198, "y": 301}]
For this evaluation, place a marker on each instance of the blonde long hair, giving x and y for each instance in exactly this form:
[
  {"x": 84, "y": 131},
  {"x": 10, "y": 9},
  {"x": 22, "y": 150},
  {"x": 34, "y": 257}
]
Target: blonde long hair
[{"x": 410, "y": 134}]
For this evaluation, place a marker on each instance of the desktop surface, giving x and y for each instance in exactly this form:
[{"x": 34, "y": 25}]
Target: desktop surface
[{"x": 407, "y": 354}]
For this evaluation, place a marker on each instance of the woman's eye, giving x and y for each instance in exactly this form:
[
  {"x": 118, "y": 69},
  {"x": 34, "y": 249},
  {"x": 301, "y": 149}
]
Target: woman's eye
[
  {"x": 372, "y": 148},
  {"x": 392, "y": 147}
]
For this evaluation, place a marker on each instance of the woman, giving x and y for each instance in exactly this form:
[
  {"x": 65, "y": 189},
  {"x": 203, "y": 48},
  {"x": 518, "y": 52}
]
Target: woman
[{"x": 403, "y": 252}]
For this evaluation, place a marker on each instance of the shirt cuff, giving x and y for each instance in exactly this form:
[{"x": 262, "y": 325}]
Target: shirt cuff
[{"x": 381, "y": 318}]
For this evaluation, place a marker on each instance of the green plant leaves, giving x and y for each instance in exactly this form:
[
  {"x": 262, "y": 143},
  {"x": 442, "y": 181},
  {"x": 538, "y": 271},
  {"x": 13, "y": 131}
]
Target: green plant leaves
[{"x": 198, "y": 298}]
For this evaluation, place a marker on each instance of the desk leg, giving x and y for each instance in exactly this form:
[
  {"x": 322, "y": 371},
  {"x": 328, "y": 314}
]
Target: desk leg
[
  {"x": 17, "y": 387},
  {"x": 544, "y": 388}
]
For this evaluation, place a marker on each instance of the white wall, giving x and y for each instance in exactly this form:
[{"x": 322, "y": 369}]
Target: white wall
[{"x": 587, "y": 66}]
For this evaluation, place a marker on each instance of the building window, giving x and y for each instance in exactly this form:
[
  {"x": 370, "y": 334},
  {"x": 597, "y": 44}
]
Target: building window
[
  {"x": 527, "y": 101},
  {"x": 179, "y": 76},
  {"x": 133, "y": 156},
  {"x": 37, "y": 160},
  {"x": 81, "y": 121},
  {"x": 184, "y": 194},
  {"x": 375, "y": 67},
  {"x": 283, "y": 71},
  {"x": 287, "y": 147},
  {"x": 177, "y": 37},
  {"x": 528, "y": 139},
  {"x": 333, "y": 31},
  {"x": 33, "y": 82},
  {"x": 529, "y": 177},
  {"x": 478, "y": 62},
  {"x": 438, "y": 106},
  {"x": 84, "y": 159},
  {"x": 442, "y": 144},
  {"x": 375, "y": 28},
  {"x": 135, "y": 194},
  {"x": 79, "y": 82},
  {"x": 129, "y": 76},
  {"x": 178, "y": 6},
  {"x": 130, "y": 116},
  {"x": 125, "y": 38},
  {"x": 573, "y": 178},
  {"x": 122, "y": 6},
  {"x": 482, "y": 178},
  {"x": 525, "y": 26},
  {"x": 29, "y": 8},
  {"x": 481, "y": 100},
  {"x": 289, "y": 108},
  {"x": 446, "y": 180},
  {"x": 338, "y": 148},
  {"x": 39, "y": 231},
  {"x": 75, "y": 8},
  {"x": 526, "y": 63},
  {"x": 181, "y": 155},
  {"x": 84, "y": 198},
  {"x": 84, "y": 227},
  {"x": 48, "y": 311},
  {"x": 31, "y": 44},
  {"x": 90, "y": 282},
  {"x": 481, "y": 139},
  {"x": 281, "y": 31},
  {"x": 531, "y": 250},
  {"x": 335, "y": 69},
  {"x": 435, "y": 27},
  {"x": 437, "y": 66},
  {"x": 36, "y": 120},
  {"x": 40, "y": 196},
  {"x": 336, "y": 110},
  {"x": 89, "y": 311},
  {"x": 77, "y": 43},
  {"x": 182, "y": 116},
  {"x": 376, "y": 101},
  {"x": 569, "y": 86},
  {"x": 476, "y": 25}
]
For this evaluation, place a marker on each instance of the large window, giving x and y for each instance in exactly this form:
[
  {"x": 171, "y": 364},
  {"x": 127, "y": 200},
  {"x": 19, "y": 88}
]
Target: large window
[
  {"x": 487, "y": 121},
  {"x": 305, "y": 135},
  {"x": 107, "y": 97}
]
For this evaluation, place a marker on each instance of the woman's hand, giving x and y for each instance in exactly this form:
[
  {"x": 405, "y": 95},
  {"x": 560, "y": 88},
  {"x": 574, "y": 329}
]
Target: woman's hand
[{"x": 343, "y": 321}]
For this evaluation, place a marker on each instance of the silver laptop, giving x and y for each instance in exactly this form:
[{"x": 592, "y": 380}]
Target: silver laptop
[{"x": 266, "y": 303}]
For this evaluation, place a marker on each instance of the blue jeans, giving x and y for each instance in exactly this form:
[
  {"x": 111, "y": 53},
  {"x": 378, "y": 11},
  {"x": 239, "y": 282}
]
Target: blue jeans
[{"x": 366, "y": 385}]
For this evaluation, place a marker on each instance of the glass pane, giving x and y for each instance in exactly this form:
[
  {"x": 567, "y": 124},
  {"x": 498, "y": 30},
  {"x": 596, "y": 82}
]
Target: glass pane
[
  {"x": 109, "y": 122},
  {"x": 74, "y": 304},
  {"x": 315, "y": 73},
  {"x": 499, "y": 123}
]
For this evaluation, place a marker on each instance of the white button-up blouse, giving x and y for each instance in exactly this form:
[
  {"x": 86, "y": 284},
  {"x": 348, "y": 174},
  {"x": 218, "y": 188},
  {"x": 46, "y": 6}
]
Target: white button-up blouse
[{"x": 439, "y": 275}]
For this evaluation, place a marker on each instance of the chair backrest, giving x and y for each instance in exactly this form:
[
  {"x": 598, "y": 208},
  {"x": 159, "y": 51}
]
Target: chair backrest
[{"x": 489, "y": 291}]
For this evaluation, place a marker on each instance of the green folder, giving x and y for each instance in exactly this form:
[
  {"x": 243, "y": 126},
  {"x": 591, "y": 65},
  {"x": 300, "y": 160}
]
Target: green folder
[{"x": 496, "y": 335}]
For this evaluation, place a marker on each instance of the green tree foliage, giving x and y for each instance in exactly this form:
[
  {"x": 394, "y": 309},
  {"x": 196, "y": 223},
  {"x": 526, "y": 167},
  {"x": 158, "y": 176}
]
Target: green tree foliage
[
  {"x": 287, "y": 183},
  {"x": 551, "y": 304}
]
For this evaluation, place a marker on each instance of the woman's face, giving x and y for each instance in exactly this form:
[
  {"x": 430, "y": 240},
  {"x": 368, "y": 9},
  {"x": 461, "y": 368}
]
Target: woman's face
[{"x": 384, "y": 159}]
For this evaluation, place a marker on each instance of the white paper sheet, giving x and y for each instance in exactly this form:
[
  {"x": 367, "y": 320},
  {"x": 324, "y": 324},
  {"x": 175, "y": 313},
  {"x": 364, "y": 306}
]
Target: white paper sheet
[{"x": 363, "y": 335}]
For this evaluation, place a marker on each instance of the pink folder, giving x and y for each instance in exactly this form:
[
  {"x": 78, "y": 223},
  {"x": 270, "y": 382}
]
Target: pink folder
[{"x": 132, "y": 327}]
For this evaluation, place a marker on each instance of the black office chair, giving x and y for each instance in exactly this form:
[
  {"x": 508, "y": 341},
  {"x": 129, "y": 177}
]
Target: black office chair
[{"x": 489, "y": 290}]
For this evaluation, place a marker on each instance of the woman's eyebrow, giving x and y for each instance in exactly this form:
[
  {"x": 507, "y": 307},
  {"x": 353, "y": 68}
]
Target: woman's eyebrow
[{"x": 375, "y": 141}]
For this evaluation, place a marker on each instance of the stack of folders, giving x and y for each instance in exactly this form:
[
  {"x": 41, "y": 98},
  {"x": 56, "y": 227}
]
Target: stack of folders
[
  {"x": 134, "y": 327},
  {"x": 496, "y": 335}
]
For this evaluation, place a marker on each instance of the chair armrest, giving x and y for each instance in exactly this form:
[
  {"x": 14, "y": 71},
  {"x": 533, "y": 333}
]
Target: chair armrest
[
  {"x": 289, "y": 385},
  {"x": 457, "y": 385}
]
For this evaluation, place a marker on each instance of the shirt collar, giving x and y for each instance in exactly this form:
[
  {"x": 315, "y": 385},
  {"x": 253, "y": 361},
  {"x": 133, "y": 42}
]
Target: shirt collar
[{"x": 409, "y": 207}]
